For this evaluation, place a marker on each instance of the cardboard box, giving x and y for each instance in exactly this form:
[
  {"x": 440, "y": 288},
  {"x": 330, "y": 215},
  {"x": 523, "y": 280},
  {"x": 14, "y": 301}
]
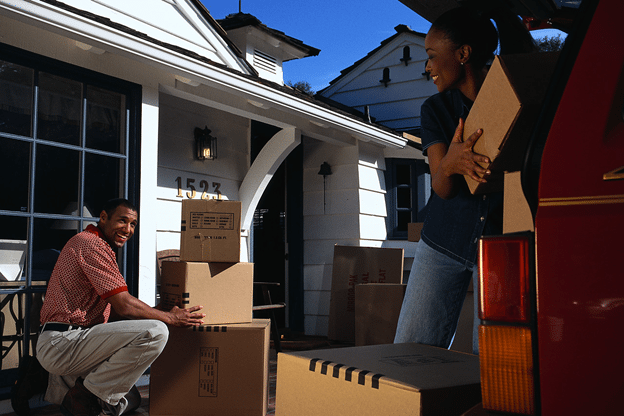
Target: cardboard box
[
  {"x": 413, "y": 230},
  {"x": 506, "y": 109},
  {"x": 225, "y": 290},
  {"x": 211, "y": 230},
  {"x": 352, "y": 266},
  {"x": 213, "y": 371},
  {"x": 517, "y": 215},
  {"x": 377, "y": 309},
  {"x": 394, "y": 379}
]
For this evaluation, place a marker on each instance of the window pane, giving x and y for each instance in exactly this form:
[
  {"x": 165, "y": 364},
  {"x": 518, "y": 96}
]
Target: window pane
[
  {"x": 16, "y": 99},
  {"x": 49, "y": 237},
  {"x": 404, "y": 197},
  {"x": 403, "y": 176},
  {"x": 104, "y": 180},
  {"x": 105, "y": 120},
  {"x": 59, "y": 109},
  {"x": 15, "y": 174},
  {"x": 13, "y": 247},
  {"x": 403, "y": 217},
  {"x": 57, "y": 177}
]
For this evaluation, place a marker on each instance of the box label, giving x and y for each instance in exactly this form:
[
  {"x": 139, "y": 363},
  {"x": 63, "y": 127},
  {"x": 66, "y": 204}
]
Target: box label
[
  {"x": 208, "y": 366},
  {"x": 212, "y": 220}
]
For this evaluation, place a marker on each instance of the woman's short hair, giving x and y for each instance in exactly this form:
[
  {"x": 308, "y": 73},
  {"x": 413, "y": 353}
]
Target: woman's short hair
[{"x": 465, "y": 26}]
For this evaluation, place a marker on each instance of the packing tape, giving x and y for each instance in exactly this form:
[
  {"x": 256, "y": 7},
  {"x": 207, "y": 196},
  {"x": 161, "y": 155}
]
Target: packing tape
[{"x": 324, "y": 365}]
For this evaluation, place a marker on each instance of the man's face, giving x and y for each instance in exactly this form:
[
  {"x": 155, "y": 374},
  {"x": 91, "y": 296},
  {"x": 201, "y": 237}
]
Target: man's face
[{"x": 119, "y": 227}]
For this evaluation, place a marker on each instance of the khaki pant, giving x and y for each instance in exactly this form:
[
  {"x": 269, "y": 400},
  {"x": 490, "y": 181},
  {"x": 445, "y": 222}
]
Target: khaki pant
[{"x": 109, "y": 357}]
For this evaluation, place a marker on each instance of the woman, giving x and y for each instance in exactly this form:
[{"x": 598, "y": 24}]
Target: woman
[{"x": 459, "y": 46}]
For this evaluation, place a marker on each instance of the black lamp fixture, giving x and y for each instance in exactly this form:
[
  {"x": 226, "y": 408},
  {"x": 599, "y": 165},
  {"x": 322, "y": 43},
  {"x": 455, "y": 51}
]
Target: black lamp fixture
[
  {"x": 205, "y": 144},
  {"x": 325, "y": 170}
]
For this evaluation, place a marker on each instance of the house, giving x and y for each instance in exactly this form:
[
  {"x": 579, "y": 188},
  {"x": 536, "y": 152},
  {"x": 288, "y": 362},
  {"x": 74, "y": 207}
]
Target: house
[
  {"x": 389, "y": 85},
  {"x": 104, "y": 99}
]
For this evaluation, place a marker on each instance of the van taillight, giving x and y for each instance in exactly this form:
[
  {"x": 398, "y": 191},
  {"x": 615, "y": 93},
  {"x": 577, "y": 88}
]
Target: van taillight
[
  {"x": 504, "y": 275},
  {"x": 505, "y": 355},
  {"x": 505, "y": 338}
]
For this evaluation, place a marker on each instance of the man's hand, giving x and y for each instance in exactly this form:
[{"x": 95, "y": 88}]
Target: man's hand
[
  {"x": 129, "y": 307},
  {"x": 186, "y": 317}
]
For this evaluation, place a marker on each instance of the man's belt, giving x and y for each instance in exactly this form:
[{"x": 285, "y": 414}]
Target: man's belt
[{"x": 58, "y": 326}]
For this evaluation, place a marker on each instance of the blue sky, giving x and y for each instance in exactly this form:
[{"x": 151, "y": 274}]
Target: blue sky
[{"x": 344, "y": 30}]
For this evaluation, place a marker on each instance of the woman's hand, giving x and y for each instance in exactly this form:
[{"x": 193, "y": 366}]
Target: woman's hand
[
  {"x": 460, "y": 159},
  {"x": 449, "y": 163}
]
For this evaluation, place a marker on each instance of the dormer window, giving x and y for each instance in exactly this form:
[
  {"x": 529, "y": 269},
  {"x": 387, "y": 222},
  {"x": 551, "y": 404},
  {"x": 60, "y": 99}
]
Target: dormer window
[
  {"x": 406, "y": 55},
  {"x": 265, "y": 62},
  {"x": 386, "y": 77}
]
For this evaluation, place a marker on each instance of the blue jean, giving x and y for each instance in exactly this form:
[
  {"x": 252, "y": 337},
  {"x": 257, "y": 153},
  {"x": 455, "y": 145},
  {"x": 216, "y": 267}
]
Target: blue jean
[{"x": 434, "y": 297}]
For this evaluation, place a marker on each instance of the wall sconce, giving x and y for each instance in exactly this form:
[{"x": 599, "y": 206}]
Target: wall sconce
[
  {"x": 205, "y": 144},
  {"x": 325, "y": 170}
]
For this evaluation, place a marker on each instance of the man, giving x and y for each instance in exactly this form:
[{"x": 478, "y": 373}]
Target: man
[{"x": 77, "y": 341}]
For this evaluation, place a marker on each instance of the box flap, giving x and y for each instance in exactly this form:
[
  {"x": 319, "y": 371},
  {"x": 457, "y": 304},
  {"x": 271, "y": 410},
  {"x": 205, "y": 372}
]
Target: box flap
[
  {"x": 506, "y": 108},
  {"x": 494, "y": 110}
]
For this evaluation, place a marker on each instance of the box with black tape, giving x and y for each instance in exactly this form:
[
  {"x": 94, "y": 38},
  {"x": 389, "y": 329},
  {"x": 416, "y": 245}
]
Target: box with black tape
[
  {"x": 393, "y": 379},
  {"x": 213, "y": 370}
]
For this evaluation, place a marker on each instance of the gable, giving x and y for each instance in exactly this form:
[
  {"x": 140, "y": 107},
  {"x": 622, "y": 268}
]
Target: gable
[
  {"x": 174, "y": 22},
  {"x": 369, "y": 71}
]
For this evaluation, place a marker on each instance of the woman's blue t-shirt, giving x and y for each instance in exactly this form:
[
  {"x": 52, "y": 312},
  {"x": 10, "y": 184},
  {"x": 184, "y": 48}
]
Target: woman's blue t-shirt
[{"x": 454, "y": 226}]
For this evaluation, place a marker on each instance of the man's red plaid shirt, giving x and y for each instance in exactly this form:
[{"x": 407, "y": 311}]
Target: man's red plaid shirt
[{"x": 85, "y": 275}]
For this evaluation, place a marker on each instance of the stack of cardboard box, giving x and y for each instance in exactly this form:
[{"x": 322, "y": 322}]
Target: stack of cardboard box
[{"x": 221, "y": 367}]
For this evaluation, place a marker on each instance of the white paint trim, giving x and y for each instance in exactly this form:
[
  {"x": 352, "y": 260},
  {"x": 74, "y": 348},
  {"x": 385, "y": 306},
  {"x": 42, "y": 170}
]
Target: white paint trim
[
  {"x": 148, "y": 219},
  {"x": 262, "y": 170}
]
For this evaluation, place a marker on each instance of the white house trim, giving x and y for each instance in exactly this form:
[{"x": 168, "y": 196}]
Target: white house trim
[{"x": 261, "y": 171}]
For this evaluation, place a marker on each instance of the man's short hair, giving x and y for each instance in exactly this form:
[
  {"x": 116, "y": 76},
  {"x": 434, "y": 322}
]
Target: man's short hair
[{"x": 111, "y": 205}]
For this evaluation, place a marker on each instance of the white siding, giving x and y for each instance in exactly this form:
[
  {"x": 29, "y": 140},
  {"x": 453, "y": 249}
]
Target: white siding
[
  {"x": 397, "y": 103},
  {"x": 178, "y": 166},
  {"x": 349, "y": 208}
]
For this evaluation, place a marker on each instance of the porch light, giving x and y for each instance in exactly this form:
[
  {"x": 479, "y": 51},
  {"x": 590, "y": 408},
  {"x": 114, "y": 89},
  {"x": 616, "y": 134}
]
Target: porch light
[
  {"x": 205, "y": 144},
  {"x": 325, "y": 170}
]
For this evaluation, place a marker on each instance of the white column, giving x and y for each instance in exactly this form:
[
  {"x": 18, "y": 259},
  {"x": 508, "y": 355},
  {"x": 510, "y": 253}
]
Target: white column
[{"x": 148, "y": 187}]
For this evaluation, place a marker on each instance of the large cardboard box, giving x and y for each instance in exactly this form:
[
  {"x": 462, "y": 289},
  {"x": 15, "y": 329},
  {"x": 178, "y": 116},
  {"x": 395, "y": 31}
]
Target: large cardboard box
[
  {"x": 212, "y": 371},
  {"x": 211, "y": 230},
  {"x": 225, "y": 290},
  {"x": 377, "y": 309},
  {"x": 517, "y": 214},
  {"x": 394, "y": 379},
  {"x": 352, "y": 266},
  {"x": 506, "y": 109}
]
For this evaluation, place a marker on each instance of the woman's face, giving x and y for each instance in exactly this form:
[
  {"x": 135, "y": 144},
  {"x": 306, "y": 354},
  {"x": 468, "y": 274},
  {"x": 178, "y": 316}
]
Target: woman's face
[{"x": 444, "y": 61}]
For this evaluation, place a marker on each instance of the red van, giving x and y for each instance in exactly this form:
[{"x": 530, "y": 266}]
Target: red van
[{"x": 552, "y": 301}]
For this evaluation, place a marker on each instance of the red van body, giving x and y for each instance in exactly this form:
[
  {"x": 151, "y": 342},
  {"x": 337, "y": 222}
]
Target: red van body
[{"x": 573, "y": 262}]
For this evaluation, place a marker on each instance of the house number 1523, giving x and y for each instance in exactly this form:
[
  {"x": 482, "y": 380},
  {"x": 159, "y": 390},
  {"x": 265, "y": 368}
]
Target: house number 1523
[{"x": 203, "y": 185}]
